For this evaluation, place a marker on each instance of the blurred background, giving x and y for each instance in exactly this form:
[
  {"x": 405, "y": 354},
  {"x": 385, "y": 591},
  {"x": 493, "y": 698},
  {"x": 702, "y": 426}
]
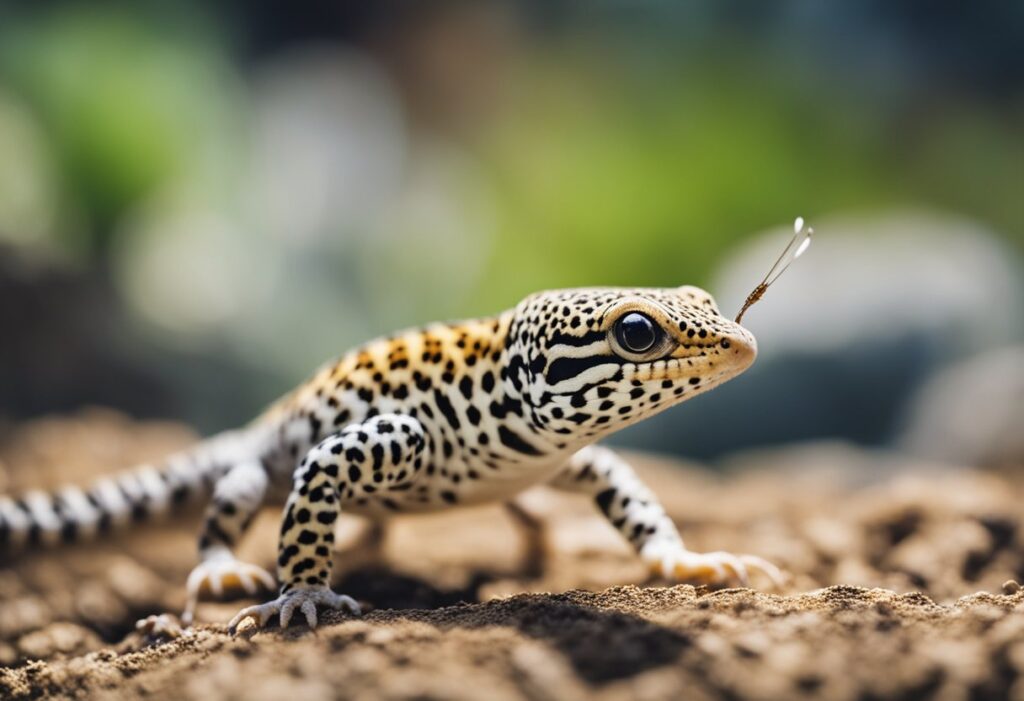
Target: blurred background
[{"x": 200, "y": 202}]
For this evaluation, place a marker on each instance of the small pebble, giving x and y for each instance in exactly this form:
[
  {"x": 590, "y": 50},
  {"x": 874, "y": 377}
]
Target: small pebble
[{"x": 1011, "y": 587}]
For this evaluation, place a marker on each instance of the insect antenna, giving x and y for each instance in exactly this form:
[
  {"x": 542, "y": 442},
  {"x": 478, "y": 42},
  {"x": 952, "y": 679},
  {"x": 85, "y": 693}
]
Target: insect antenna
[{"x": 796, "y": 247}]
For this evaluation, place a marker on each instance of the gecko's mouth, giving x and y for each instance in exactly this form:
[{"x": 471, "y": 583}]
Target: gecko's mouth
[{"x": 735, "y": 349}]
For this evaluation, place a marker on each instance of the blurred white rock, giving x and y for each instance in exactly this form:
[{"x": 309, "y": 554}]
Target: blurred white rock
[
  {"x": 871, "y": 312},
  {"x": 890, "y": 275},
  {"x": 971, "y": 413}
]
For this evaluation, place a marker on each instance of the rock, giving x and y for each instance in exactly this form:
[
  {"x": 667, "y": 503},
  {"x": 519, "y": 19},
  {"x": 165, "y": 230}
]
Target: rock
[
  {"x": 851, "y": 332},
  {"x": 972, "y": 412}
]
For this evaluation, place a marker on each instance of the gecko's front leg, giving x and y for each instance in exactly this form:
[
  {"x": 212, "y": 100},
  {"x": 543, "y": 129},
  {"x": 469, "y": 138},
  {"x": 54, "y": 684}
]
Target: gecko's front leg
[
  {"x": 635, "y": 512},
  {"x": 363, "y": 461}
]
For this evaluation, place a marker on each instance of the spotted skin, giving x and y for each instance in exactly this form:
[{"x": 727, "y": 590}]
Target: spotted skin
[{"x": 444, "y": 415}]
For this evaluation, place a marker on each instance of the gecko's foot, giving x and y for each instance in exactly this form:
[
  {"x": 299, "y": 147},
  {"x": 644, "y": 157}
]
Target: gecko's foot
[
  {"x": 305, "y": 600},
  {"x": 161, "y": 626},
  {"x": 672, "y": 561},
  {"x": 223, "y": 576}
]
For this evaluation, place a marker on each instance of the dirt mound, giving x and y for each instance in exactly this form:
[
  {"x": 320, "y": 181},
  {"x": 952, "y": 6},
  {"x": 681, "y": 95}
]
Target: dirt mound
[{"x": 449, "y": 617}]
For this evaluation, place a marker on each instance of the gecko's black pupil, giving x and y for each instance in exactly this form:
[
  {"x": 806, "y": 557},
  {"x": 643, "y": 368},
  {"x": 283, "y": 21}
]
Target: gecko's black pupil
[{"x": 636, "y": 332}]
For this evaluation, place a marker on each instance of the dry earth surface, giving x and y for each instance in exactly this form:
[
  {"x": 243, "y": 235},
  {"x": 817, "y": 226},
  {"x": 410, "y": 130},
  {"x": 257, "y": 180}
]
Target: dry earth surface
[{"x": 901, "y": 588}]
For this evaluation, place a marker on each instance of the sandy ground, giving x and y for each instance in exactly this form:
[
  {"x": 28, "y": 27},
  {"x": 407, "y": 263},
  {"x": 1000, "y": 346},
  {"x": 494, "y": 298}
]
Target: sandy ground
[{"x": 899, "y": 589}]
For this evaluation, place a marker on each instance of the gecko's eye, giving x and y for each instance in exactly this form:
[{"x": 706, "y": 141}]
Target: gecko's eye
[{"x": 636, "y": 332}]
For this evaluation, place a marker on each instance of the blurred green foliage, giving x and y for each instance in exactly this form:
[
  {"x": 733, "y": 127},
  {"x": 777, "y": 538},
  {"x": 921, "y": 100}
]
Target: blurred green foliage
[
  {"x": 241, "y": 175},
  {"x": 622, "y": 155},
  {"x": 125, "y": 102}
]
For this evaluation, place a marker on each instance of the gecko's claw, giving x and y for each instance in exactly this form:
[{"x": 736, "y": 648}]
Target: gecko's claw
[
  {"x": 672, "y": 561},
  {"x": 220, "y": 576},
  {"x": 159, "y": 626},
  {"x": 284, "y": 606}
]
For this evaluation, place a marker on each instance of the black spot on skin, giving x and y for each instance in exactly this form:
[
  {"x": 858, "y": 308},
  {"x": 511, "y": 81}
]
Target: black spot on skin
[
  {"x": 303, "y": 565},
  {"x": 396, "y": 453},
  {"x": 378, "y": 456},
  {"x": 694, "y": 380},
  {"x": 568, "y": 368},
  {"x": 473, "y": 414},
  {"x": 302, "y": 515},
  {"x": 466, "y": 387},
  {"x": 563, "y": 339},
  {"x": 327, "y": 517},
  {"x": 307, "y": 537},
  {"x": 487, "y": 381},
  {"x": 287, "y": 554},
  {"x": 354, "y": 473},
  {"x": 446, "y": 409},
  {"x": 513, "y": 440},
  {"x": 604, "y": 500},
  {"x": 449, "y": 497}
]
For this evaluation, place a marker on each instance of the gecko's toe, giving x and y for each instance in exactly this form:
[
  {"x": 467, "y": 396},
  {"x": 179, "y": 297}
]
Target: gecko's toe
[
  {"x": 220, "y": 577},
  {"x": 159, "y": 626},
  {"x": 674, "y": 562},
  {"x": 284, "y": 606}
]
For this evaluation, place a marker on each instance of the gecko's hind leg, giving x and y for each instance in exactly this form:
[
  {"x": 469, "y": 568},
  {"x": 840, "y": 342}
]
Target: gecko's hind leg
[
  {"x": 534, "y": 533},
  {"x": 159, "y": 626},
  {"x": 237, "y": 497}
]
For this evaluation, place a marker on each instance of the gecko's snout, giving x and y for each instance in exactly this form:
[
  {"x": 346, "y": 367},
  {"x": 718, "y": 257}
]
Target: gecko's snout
[{"x": 740, "y": 346}]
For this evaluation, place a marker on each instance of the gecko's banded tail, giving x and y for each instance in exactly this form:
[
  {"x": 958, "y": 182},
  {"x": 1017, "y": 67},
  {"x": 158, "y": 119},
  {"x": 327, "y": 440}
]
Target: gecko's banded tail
[{"x": 74, "y": 514}]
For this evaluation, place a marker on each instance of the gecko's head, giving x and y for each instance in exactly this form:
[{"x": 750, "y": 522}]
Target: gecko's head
[{"x": 591, "y": 361}]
